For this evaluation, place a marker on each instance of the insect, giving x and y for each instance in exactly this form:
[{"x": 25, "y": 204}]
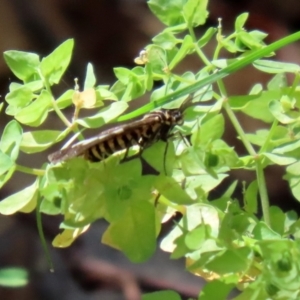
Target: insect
[{"x": 144, "y": 132}]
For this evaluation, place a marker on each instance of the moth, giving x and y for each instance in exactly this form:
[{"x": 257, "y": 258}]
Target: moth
[{"x": 144, "y": 132}]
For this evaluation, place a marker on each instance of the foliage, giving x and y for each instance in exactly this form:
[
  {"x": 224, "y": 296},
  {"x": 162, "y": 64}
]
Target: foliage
[
  {"x": 13, "y": 277},
  {"x": 223, "y": 239}
]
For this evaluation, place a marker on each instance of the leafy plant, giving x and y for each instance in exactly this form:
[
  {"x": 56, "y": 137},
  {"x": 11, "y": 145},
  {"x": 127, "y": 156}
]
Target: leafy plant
[{"x": 223, "y": 240}]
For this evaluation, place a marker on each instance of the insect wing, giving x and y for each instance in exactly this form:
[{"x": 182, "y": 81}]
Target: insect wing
[{"x": 79, "y": 148}]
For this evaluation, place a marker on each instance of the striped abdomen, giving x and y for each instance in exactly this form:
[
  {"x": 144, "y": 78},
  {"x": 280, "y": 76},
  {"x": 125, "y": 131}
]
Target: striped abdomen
[{"x": 152, "y": 127}]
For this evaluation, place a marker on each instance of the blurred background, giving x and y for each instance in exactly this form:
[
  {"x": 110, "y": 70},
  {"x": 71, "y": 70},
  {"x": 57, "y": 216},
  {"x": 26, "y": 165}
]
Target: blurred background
[{"x": 111, "y": 33}]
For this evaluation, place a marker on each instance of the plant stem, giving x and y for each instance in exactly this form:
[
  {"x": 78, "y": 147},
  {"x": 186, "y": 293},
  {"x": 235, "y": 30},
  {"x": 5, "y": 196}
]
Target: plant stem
[
  {"x": 239, "y": 129},
  {"x": 198, "y": 50},
  {"x": 269, "y": 137},
  {"x": 31, "y": 171},
  {"x": 263, "y": 191},
  {"x": 54, "y": 105},
  {"x": 259, "y": 170}
]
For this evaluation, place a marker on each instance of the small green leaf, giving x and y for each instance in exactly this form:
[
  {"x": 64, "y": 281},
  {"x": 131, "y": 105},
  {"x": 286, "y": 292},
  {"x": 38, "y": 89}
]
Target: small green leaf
[
  {"x": 240, "y": 21},
  {"x": 169, "y": 188},
  {"x": 195, "y": 12},
  {"x": 240, "y": 102},
  {"x": 13, "y": 277},
  {"x": 104, "y": 116},
  {"x": 209, "y": 33},
  {"x": 278, "y": 82},
  {"x": 186, "y": 47},
  {"x": 277, "y": 219},
  {"x": 23, "y": 64},
  {"x": 35, "y": 113},
  {"x": 168, "y": 12},
  {"x": 196, "y": 237},
  {"x": 231, "y": 261},
  {"x": 18, "y": 99},
  {"x": 263, "y": 232},
  {"x": 90, "y": 79},
  {"x": 65, "y": 99},
  {"x": 250, "y": 197},
  {"x": 134, "y": 232},
  {"x": 246, "y": 40},
  {"x": 161, "y": 295},
  {"x": 166, "y": 40},
  {"x": 215, "y": 290},
  {"x": 279, "y": 160},
  {"x": 277, "y": 111},
  {"x": 20, "y": 200},
  {"x": 293, "y": 145},
  {"x": 275, "y": 67},
  {"x": 6, "y": 176},
  {"x": 55, "y": 64},
  {"x": 11, "y": 139},
  {"x": 259, "y": 108},
  {"x": 5, "y": 163},
  {"x": 211, "y": 130},
  {"x": 37, "y": 141}
]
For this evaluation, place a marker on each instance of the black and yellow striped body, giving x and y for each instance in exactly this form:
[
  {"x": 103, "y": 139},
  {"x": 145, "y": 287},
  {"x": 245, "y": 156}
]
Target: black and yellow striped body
[{"x": 152, "y": 127}]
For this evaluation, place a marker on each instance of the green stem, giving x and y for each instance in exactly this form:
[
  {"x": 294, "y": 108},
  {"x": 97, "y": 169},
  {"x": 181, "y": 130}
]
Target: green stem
[
  {"x": 259, "y": 169},
  {"x": 269, "y": 137},
  {"x": 239, "y": 129},
  {"x": 54, "y": 105},
  {"x": 31, "y": 171},
  {"x": 41, "y": 234},
  {"x": 198, "y": 50},
  {"x": 264, "y": 199}
]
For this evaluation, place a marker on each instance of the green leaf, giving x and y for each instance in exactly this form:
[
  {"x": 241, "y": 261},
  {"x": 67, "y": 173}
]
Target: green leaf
[
  {"x": 275, "y": 67},
  {"x": 13, "y": 277},
  {"x": 277, "y": 83},
  {"x": 22, "y": 200},
  {"x": 5, "y": 163},
  {"x": 209, "y": 33},
  {"x": 240, "y": 102},
  {"x": 195, "y": 238},
  {"x": 263, "y": 232},
  {"x": 195, "y": 12},
  {"x": 215, "y": 290},
  {"x": 166, "y": 40},
  {"x": 23, "y": 64},
  {"x": 6, "y": 176},
  {"x": 240, "y": 21},
  {"x": 65, "y": 99},
  {"x": 211, "y": 130},
  {"x": 277, "y": 219},
  {"x": 230, "y": 261},
  {"x": 104, "y": 116},
  {"x": 35, "y": 113},
  {"x": 55, "y": 64},
  {"x": 90, "y": 79},
  {"x": 160, "y": 156},
  {"x": 246, "y": 40},
  {"x": 250, "y": 197},
  {"x": 279, "y": 160},
  {"x": 168, "y": 12},
  {"x": 277, "y": 111},
  {"x": 288, "y": 147},
  {"x": 259, "y": 108},
  {"x": 169, "y": 188},
  {"x": 134, "y": 232},
  {"x": 37, "y": 141},
  {"x": 161, "y": 295},
  {"x": 18, "y": 99},
  {"x": 11, "y": 139},
  {"x": 186, "y": 47}
]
